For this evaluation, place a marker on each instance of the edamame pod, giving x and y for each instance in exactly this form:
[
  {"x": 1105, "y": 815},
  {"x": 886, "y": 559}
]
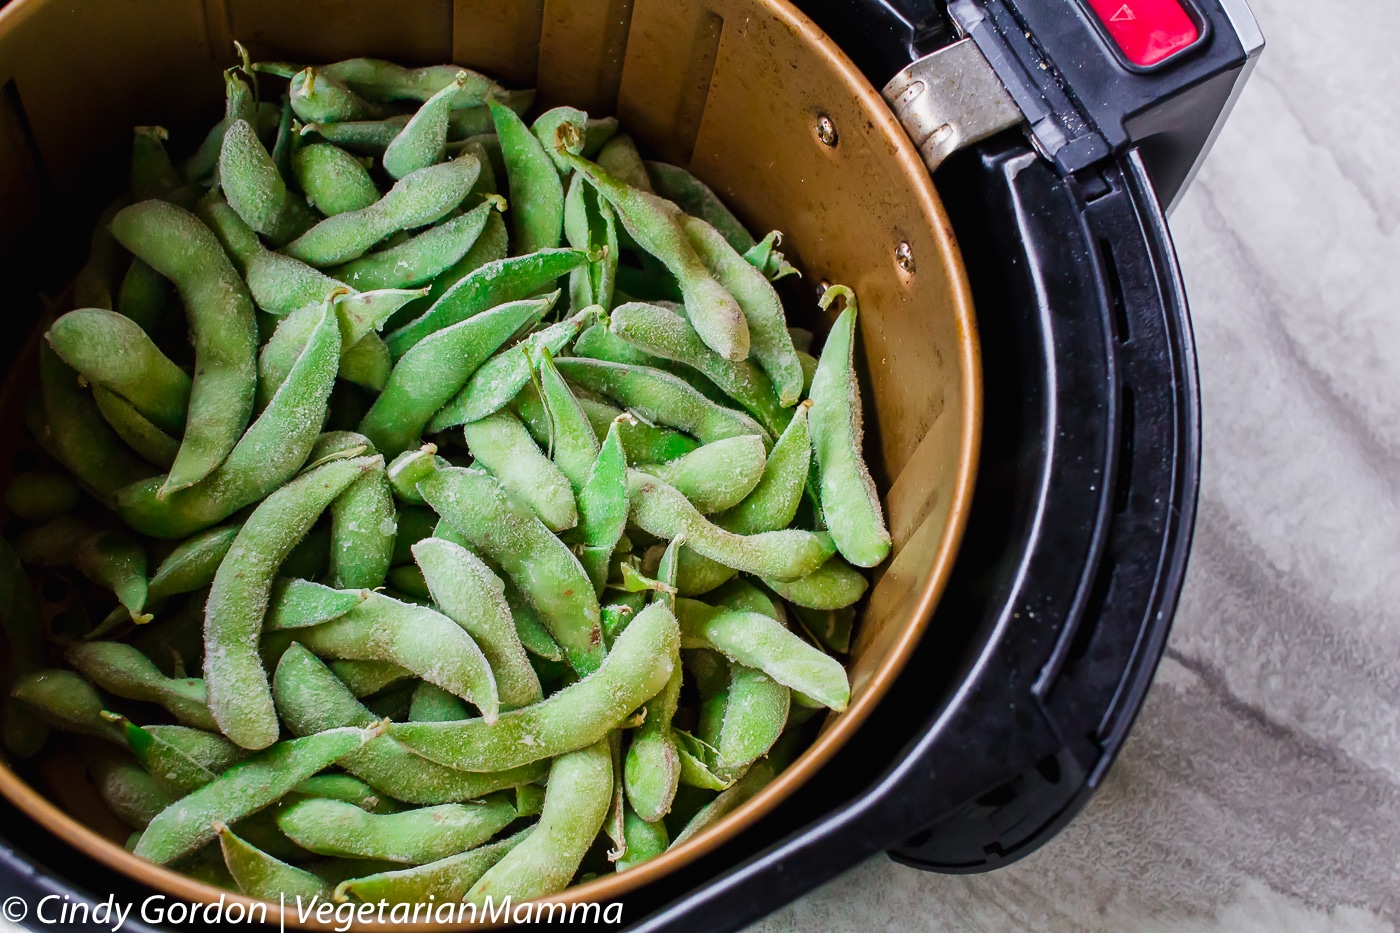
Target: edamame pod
[
  {"x": 110, "y": 559},
  {"x": 177, "y": 773},
  {"x": 544, "y": 568},
  {"x": 644, "y": 441},
  {"x": 192, "y": 564},
  {"x": 76, "y": 434},
  {"x": 311, "y": 699},
  {"x": 500, "y": 444},
  {"x": 619, "y": 157},
  {"x": 333, "y": 179},
  {"x": 301, "y": 603},
  {"x": 368, "y": 678},
  {"x": 143, "y": 296},
  {"x": 547, "y": 123},
  {"x": 490, "y": 285},
  {"x": 850, "y": 502},
  {"x": 22, "y": 627},
  {"x": 602, "y": 505},
  {"x": 416, "y": 200},
  {"x": 208, "y": 749},
  {"x": 759, "y": 776},
  {"x": 124, "y": 671},
  {"x": 38, "y": 496},
  {"x": 243, "y": 789},
  {"x": 239, "y": 695},
  {"x": 424, "y": 138},
  {"x": 771, "y": 262},
  {"x": 317, "y": 97},
  {"x": 573, "y": 445},
  {"x": 833, "y": 585},
  {"x": 362, "y": 532},
  {"x": 590, "y": 224},
  {"x": 125, "y": 788},
  {"x": 653, "y": 768},
  {"x": 174, "y": 243},
  {"x": 379, "y": 80},
  {"x": 428, "y": 375},
  {"x": 258, "y": 874},
  {"x": 431, "y": 703},
  {"x": 474, "y": 597},
  {"x": 370, "y": 137},
  {"x": 96, "y": 282},
  {"x": 645, "y": 840},
  {"x": 755, "y": 712},
  {"x": 153, "y": 444},
  {"x": 448, "y": 879},
  {"x": 716, "y": 476},
  {"x": 411, "y": 837},
  {"x": 637, "y": 668},
  {"x": 698, "y": 200},
  {"x": 575, "y": 805},
  {"x": 65, "y": 701},
  {"x": 113, "y": 352},
  {"x": 421, "y": 258},
  {"x": 536, "y": 196},
  {"x": 255, "y": 188}
]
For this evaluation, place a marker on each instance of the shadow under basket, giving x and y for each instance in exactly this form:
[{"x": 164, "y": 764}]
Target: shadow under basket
[{"x": 734, "y": 90}]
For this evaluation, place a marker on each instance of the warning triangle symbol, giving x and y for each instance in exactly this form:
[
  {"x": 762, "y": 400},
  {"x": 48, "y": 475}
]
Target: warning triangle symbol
[{"x": 1124, "y": 14}]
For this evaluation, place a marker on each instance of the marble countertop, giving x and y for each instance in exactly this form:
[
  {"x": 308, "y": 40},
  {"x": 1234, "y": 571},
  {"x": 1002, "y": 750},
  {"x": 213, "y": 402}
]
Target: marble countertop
[{"x": 1260, "y": 789}]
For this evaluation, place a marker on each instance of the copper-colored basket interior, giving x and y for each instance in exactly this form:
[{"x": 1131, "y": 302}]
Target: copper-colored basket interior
[{"x": 732, "y": 89}]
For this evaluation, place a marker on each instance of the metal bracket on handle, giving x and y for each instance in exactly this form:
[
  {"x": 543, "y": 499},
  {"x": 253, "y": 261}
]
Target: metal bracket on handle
[{"x": 950, "y": 99}]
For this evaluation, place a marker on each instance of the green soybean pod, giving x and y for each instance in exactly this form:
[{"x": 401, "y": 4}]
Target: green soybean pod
[
  {"x": 348, "y": 789},
  {"x": 547, "y": 124},
  {"x": 421, "y": 258},
  {"x": 284, "y": 140},
  {"x": 124, "y": 671},
  {"x": 602, "y": 505},
  {"x": 715, "y": 476},
  {"x": 175, "y": 772},
  {"x": 301, "y": 603},
  {"x": 269, "y": 454},
  {"x": 491, "y": 246},
  {"x": 589, "y": 224},
  {"x": 363, "y": 527},
  {"x": 660, "y": 332},
  {"x": 653, "y": 768},
  {"x": 333, "y": 179},
  {"x": 367, "y": 363},
  {"x": 637, "y": 668},
  {"x": 410, "y": 837},
  {"x": 501, "y": 378},
  {"x": 179, "y": 247},
  {"x": 404, "y": 473},
  {"x": 769, "y": 340},
  {"x": 310, "y": 699},
  {"x": 76, "y": 434},
  {"x": 208, "y": 749},
  {"x": 504, "y": 280},
  {"x": 573, "y": 445},
  {"x": 418, "y": 639},
  {"x": 645, "y": 442},
  {"x": 575, "y": 805},
  {"x": 698, "y": 200},
  {"x": 645, "y": 841},
  {"x": 126, "y": 788},
  {"x": 239, "y": 696},
  {"x": 113, "y": 352},
  {"x": 23, "y": 631},
  {"x": 760, "y": 641},
  {"x": 96, "y": 282},
  {"x": 376, "y": 79},
  {"x": 370, "y": 137},
  {"x": 466, "y": 122},
  {"x": 471, "y": 595},
  {"x": 367, "y": 678},
  {"x": 114, "y": 561},
  {"x": 664, "y": 511},
  {"x": 619, "y": 157},
  {"x": 771, "y": 262},
  {"x": 431, "y": 373},
  {"x": 448, "y": 879},
  {"x": 255, "y": 188},
  {"x": 143, "y": 296},
  {"x": 759, "y": 776},
  {"x": 656, "y": 226},
  {"x": 318, "y": 97},
  {"x": 258, "y": 874},
  {"x": 152, "y": 175},
  {"x": 544, "y": 568},
  {"x": 243, "y": 789},
  {"x": 755, "y": 713},
  {"x": 661, "y": 397},
  {"x": 65, "y": 701},
  {"x": 500, "y": 444},
  {"x": 153, "y": 444},
  {"x": 424, "y": 138},
  {"x": 416, "y": 200},
  {"x": 833, "y": 585},
  {"x": 431, "y": 703},
  {"x": 850, "y": 503},
  {"x": 39, "y": 496},
  {"x": 536, "y": 196},
  {"x": 279, "y": 284}
]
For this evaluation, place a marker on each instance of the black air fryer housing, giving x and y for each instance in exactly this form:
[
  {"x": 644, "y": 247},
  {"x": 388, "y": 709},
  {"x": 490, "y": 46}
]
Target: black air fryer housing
[{"x": 1013, "y": 707}]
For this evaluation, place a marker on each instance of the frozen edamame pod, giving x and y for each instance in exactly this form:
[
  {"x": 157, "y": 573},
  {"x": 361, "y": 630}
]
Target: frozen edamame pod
[
  {"x": 536, "y": 196},
  {"x": 661, "y": 397},
  {"x": 715, "y": 476},
  {"x": 698, "y": 200},
  {"x": 664, "y": 511},
  {"x": 644, "y": 441},
  {"x": 367, "y": 678},
  {"x": 96, "y": 282},
  {"x": 411, "y": 837},
  {"x": 269, "y": 454},
  {"x": 126, "y": 788},
  {"x": 500, "y": 444},
  {"x": 417, "y": 638},
  {"x": 501, "y": 378},
  {"x": 348, "y": 789},
  {"x": 759, "y": 776},
  {"x": 547, "y": 123},
  {"x": 424, "y": 138},
  {"x": 239, "y": 695},
  {"x": 38, "y": 496},
  {"x": 243, "y": 789},
  {"x": 850, "y": 502},
  {"x": 208, "y": 749},
  {"x": 110, "y": 559},
  {"x": 143, "y": 296},
  {"x": 573, "y": 445},
  {"x": 833, "y": 585},
  {"x": 429, "y": 374},
  {"x": 370, "y": 137},
  {"x": 644, "y": 840},
  {"x": 22, "y": 627},
  {"x": 174, "y": 243},
  {"x": 660, "y": 332},
  {"x": 310, "y": 699},
  {"x": 636, "y": 669},
  {"x": 490, "y": 285},
  {"x": 431, "y": 703},
  {"x": 771, "y": 262},
  {"x": 258, "y": 874},
  {"x": 416, "y": 200},
  {"x": 447, "y": 879},
  {"x": 755, "y": 712},
  {"x": 153, "y": 444},
  {"x": 759, "y": 641},
  {"x": 602, "y": 505},
  {"x": 544, "y": 568},
  {"x": 362, "y": 533},
  {"x": 367, "y": 363},
  {"x": 379, "y": 80},
  {"x": 589, "y": 224},
  {"x": 255, "y": 188},
  {"x": 575, "y": 805},
  {"x": 65, "y": 701},
  {"x": 769, "y": 341},
  {"x": 656, "y": 226},
  {"x": 404, "y": 473},
  {"x": 124, "y": 671},
  {"x": 152, "y": 175},
  {"x": 76, "y": 434},
  {"x": 619, "y": 157},
  {"x": 653, "y": 769},
  {"x": 301, "y": 603},
  {"x": 421, "y": 258},
  {"x": 177, "y": 773},
  {"x": 192, "y": 564},
  {"x": 113, "y": 352},
  {"x": 333, "y": 179},
  {"x": 471, "y": 595},
  {"x": 317, "y": 97}
]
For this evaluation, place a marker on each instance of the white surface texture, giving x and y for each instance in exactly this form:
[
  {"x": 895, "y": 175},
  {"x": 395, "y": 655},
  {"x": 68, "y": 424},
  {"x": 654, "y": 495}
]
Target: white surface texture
[{"x": 1260, "y": 789}]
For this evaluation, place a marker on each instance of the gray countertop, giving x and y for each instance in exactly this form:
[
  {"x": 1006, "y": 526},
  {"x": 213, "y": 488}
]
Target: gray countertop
[{"x": 1260, "y": 789}]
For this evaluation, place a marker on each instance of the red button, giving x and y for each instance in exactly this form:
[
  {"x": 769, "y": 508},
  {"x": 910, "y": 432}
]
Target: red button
[{"x": 1148, "y": 31}]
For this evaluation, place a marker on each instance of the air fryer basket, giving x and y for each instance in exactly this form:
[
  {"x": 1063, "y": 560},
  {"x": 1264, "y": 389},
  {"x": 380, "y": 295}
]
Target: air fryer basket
[{"x": 733, "y": 89}]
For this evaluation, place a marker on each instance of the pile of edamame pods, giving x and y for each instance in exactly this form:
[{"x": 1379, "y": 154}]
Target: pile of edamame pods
[{"x": 473, "y": 463}]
